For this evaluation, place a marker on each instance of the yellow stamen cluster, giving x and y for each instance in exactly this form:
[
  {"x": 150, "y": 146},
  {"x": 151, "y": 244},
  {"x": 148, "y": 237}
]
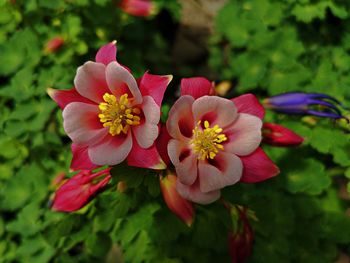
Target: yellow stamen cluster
[
  {"x": 207, "y": 142},
  {"x": 117, "y": 114}
]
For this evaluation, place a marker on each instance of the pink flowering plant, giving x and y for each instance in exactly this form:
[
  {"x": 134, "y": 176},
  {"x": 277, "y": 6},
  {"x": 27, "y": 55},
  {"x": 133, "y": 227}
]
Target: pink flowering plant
[
  {"x": 205, "y": 145},
  {"x": 112, "y": 118}
]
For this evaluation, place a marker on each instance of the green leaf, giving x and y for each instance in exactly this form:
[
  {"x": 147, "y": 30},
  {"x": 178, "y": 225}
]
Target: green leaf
[{"x": 309, "y": 177}]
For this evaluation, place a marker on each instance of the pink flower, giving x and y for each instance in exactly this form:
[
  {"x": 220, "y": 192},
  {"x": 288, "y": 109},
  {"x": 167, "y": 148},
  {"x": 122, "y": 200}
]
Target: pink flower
[
  {"x": 141, "y": 8},
  {"x": 278, "y": 135},
  {"x": 110, "y": 116},
  {"x": 215, "y": 141},
  {"x": 54, "y": 44},
  {"x": 178, "y": 205},
  {"x": 77, "y": 191}
]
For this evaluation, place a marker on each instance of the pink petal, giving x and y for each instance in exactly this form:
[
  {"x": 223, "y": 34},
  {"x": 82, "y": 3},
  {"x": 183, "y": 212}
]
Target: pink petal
[
  {"x": 184, "y": 161},
  {"x": 215, "y": 110},
  {"x": 81, "y": 123},
  {"x": 81, "y": 160},
  {"x": 194, "y": 194},
  {"x": 196, "y": 87},
  {"x": 147, "y": 132},
  {"x": 244, "y": 136},
  {"x": 90, "y": 81},
  {"x": 248, "y": 103},
  {"x": 226, "y": 169},
  {"x": 154, "y": 86},
  {"x": 120, "y": 81},
  {"x": 112, "y": 150},
  {"x": 107, "y": 53},
  {"x": 258, "y": 167},
  {"x": 145, "y": 158},
  {"x": 180, "y": 122},
  {"x": 64, "y": 97}
]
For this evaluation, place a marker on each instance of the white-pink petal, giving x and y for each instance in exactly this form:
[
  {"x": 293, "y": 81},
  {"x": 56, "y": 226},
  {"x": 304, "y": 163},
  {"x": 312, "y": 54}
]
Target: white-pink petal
[
  {"x": 244, "y": 136},
  {"x": 147, "y": 132},
  {"x": 226, "y": 169},
  {"x": 180, "y": 122},
  {"x": 194, "y": 194},
  {"x": 81, "y": 123},
  {"x": 112, "y": 150},
  {"x": 214, "y": 109},
  {"x": 118, "y": 78},
  {"x": 184, "y": 160},
  {"x": 90, "y": 81}
]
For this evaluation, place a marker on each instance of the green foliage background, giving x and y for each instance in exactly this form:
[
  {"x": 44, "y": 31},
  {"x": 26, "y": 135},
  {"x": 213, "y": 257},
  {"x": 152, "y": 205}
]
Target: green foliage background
[{"x": 263, "y": 46}]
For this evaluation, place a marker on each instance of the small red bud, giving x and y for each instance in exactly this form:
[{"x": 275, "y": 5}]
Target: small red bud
[
  {"x": 177, "y": 204},
  {"x": 141, "y": 8},
  {"x": 54, "y": 44},
  {"x": 278, "y": 135},
  {"x": 77, "y": 191}
]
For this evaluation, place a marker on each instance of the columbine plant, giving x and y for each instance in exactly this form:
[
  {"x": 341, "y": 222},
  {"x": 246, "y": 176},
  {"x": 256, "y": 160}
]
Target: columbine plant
[
  {"x": 215, "y": 141},
  {"x": 111, "y": 117}
]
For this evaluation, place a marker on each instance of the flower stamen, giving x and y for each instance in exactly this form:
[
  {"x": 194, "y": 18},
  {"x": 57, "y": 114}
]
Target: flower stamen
[
  {"x": 207, "y": 142},
  {"x": 117, "y": 114}
]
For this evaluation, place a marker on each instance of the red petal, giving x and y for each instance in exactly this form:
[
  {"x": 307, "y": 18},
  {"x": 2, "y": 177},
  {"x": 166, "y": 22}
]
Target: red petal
[
  {"x": 64, "y": 97},
  {"x": 196, "y": 87},
  {"x": 257, "y": 167},
  {"x": 248, "y": 103},
  {"x": 107, "y": 53},
  {"x": 162, "y": 144},
  {"x": 145, "y": 158},
  {"x": 279, "y": 135},
  {"x": 177, "y": 204},
  {"x": 81, "y": 160},
  {"x": 154, "y": 86}
]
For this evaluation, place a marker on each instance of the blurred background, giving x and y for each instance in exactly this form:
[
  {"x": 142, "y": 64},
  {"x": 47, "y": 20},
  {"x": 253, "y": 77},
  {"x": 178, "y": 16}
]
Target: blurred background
[{"x": 265, "y": 47}]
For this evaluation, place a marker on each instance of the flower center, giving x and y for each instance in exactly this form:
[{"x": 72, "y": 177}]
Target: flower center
[
  {"x": 117, "y": 114},
  {"x": 207, "y": 143}
]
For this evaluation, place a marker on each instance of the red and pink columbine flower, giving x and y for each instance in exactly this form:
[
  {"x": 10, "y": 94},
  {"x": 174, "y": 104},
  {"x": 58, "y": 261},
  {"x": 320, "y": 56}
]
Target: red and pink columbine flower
[
  {"x": 110, "y": 116},
  {"x": 215, "y": 141}
]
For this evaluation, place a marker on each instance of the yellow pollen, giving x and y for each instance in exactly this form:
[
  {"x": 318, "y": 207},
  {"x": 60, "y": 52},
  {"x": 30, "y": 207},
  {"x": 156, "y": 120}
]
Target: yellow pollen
[
  {"x": 207, "y": 142},
  {"x": 118, "y": 115}
]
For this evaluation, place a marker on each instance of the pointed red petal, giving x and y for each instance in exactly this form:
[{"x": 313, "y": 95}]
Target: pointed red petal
[
  {"x": 154, "y": 86},
  {"x": 64, "y": 97},
  {"x": 162, "y": 144},
  {"x": 248, "y": 103},
  {"x": 81, "y": 160},
  {"x": 257, "y": 167},
  {"x": 196, "y": 87},
  {"x": 107, "y": 53},
  {"x": 145, "y": 158}
]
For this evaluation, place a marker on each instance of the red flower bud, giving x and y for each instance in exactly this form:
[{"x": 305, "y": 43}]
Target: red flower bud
[
  {"x": 142, "y": 8},
  {"x": 58, "y": 180},
  {"x": 54, "y": 44},
  {"x": 177, "y": 204},
  {"x": 241, "y": 237},
  {"x": 278, "y": 135},
  {"x": 77, "y": 191}
]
